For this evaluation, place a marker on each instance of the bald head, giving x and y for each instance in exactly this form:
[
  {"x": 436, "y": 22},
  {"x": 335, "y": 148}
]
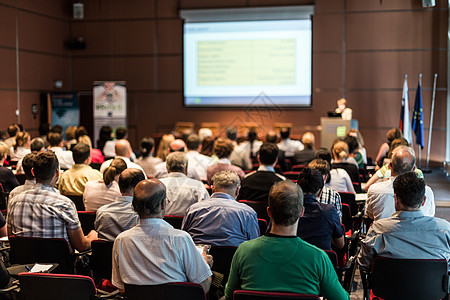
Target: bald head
[
  {"x": 148, "y": 198},
  {"x": 177, "y": 145},
  {"x": 128, "y": 179},
  {"x": 123, "y": 148},
  {"x": 402, "y": 160}
]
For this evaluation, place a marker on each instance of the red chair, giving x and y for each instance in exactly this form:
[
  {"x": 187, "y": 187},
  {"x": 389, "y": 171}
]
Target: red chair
[
  {"x": 262, "y": 223},
  {"x": 259, "y": 295},
  {"x": 299, "y": 168},
  {"x": 176, "y": 290},
  {"x": 175, "y": 221},
  {"x": 291, "y": 175},
  {"x": 223, "y": 255},
  {"x": 38, "y": 286}
]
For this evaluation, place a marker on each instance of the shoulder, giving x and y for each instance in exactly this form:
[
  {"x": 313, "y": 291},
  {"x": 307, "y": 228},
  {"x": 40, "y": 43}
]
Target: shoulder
[{"x": 382, "y": 186}]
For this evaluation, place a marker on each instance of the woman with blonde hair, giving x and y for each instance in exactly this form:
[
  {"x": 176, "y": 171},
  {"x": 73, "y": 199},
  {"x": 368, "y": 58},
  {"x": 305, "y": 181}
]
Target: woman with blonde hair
[
  {"x": 22, "y": 146},
  {"x": 340, "y": 155},
  {"x": 96, "y": 155},
  {"x": 105, "y": 190},
  {"x": 164, "y": 145}
]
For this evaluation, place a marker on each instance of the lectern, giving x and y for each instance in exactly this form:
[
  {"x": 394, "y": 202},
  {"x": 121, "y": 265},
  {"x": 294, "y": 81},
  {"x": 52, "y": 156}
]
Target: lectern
[{"x": 333, "y": 128}]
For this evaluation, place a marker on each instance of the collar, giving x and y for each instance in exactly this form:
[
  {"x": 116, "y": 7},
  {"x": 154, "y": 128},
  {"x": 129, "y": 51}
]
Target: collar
[
  {"x": 126, "y": 159},
  {"x": 30, "y": 182},
  {"x": 224, "y": 161},
  {"x": 153, "y": 222},
  {"x": 269, "y": 234},
  {"x": 46, "y": 187},
  {"x": 266, "y": 168},
  {"x": 407, "y": 214},
  {"x": 219, "y": 195},
  {"x": 125, "y": 198},
  {"x": 176, "y": 174},
  {"x": 80, "y": 166}
]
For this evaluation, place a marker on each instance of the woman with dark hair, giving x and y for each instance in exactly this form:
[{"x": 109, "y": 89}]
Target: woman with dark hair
[
  {"x": 207, "y": 146},
  {"x": 147, "y": 161},
  {"x": 320, "y": 224},
  {"x": 105, "y": 190},
  {"x": 104, "y": 136},
  {"x": 392, "y": 134}
]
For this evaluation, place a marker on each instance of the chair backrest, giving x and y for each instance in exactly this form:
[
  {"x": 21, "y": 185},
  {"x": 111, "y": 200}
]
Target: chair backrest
[
  {"x": 95, "y": 166},
  {"x": 25, "y": 250},
  {"x": 292, "y": 175},
  {"x": 259, "y": 295},
  {"x": 299, "y": 168},
  {"x": 175, "y": 221},
  {"x": 409, "y": 278},
  {"x": 350, "y": 199},
  {"x": 101, "y": 259},
  {"x": 333, "y": 258},
  {"x": 176, "y": 290},
  {"x": 262, "y": 226},
  {"x": 78, "y": 200},
  {"x": 3, "y": 200},
  {"x": 38, "y": 286},
  {"x": 223, "y": 255},
  {"x": 347, "y": 216},
  {"x": 259, "y": 207},
  {"x": 87, "y": 220}
]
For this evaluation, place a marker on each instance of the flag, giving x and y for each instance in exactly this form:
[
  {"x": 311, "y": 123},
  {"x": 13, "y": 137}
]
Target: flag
[
  {"x": 417, "y": 120},
  {"x": 405, "y": 126}
]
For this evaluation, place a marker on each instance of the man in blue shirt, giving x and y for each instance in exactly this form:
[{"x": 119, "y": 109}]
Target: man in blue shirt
[
  {"x": 407, "y": 234},
  {"x": 221, "y": 220}
]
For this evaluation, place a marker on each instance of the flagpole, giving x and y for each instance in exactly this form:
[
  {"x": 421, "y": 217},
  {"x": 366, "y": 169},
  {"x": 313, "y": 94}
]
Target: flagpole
[
  {"x": 427, "y": 170},
  {"x": 418, "y": 148}
]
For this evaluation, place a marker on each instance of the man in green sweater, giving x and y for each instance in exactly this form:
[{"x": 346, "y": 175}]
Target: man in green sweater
[{"x": 280, "y": 261}]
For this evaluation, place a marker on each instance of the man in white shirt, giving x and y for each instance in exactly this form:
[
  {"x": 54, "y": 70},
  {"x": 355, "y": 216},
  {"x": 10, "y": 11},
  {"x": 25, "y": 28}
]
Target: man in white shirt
[
  {"x": 182, "y": 191},
  {"x": 288, "y": 146},
  {"x": 123, "y": 151},
  {"x": 64, "y": 157},
  {"x": 380, "y": 202},
  {"x": 240, "y": 155},
  {"x": 153, "y": 252},
  {"x": 197, "y": 161}
]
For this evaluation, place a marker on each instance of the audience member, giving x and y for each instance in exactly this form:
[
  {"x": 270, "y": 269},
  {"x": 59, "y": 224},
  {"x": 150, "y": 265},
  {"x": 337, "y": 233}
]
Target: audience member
[
  {"x": 204, "y": 133},
  {"x": 147, "y": 161},
  {"x": 340, "y": 154},
  {"x": 182, "y": 191},
  {"x": 104, "y": 136},
  {"x": 380, "y": 203},
  {"x": 222, "y": 149},
  {"x": 7, "y": 179},
  {"x": 73, "y": 181},
  {"x": 271, "y": 137},
  {"x": 177, "y": 145},
  {"x": 37, "y": 145},
  {"x": 221, "y": 220},
  {"x": 280, "y": 261},
  {"x": 164, "y": 145},
  {"x": 288, "y": 146},
  {"x": 256, "y": 185},
  {"x": 207, "y": 146},
  {"x": 197, "y": 161},
  {"x": 96, "y": 154},
  {"x": 359, "y": 138},
  {"x": 408, "y": 233},
  {"x": 354, "y": 157},
  {"x": 166, "y": 254},
  {"x": 21, "y": 147},
  {"x": 27, "y": 164},
  {"x": 105, "y": 190},
  {"x": 65, "y": 158},
  {"x": 338, "y": 179},
  {"x": 13, "y": 130},
  {"x": 306, "y": 155},
  {"x": 109, "y": 150},
  {"x": 70, "y": 137},
  {"x": 392, "y": 134},
  {"x": 118, "y": 216},
  {"x": 320, "y": 224},
  {"x": 328, "y": 195},
  {"x": 44, "y": 129},
  {"x": 54, "y": 215},
  {"x": 252, "y": 145},
  {"x": 240, "y": 156},
  {"x": 57, "y": 129},
  {"x": 122, "y": 150}
]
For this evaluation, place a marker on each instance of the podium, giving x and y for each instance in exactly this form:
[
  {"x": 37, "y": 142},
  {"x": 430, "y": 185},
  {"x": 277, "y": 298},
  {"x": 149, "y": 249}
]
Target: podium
[{"x": 333, "y": 128}]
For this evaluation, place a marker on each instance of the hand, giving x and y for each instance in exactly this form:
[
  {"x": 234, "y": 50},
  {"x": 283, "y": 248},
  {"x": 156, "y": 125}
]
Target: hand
[
  {"x": 93, "y": 235},
  {"x": 208, "y": 258}
]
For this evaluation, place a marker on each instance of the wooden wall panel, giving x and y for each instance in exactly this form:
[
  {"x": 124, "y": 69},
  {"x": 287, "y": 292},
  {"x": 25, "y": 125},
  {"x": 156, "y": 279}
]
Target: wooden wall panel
[
  {"x": 198, "y": 4},
  {"x": 8, "y": 73},
  {"x": 329, "y": 6},
  {"x": 327, "y": 32},
  {"x": 170, "y": 73},
  {"x": 170, "y": 36},
  {"x": 115, "y": 38},
  {"x": 55, "y": 8},
  {"x": 417, "y": 30},
  {"x": 8, "y": 27},
  {"x": 167, "y": 9},
  {"x": 327, "y": 70},
  {"x": 118, "y": 9},
  {"x": 371, "y": 5}
]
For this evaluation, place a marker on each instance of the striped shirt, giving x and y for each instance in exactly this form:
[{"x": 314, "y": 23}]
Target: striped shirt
[
  {"x": 42, "y": 212},
  {"x": 331, "y": 196}
]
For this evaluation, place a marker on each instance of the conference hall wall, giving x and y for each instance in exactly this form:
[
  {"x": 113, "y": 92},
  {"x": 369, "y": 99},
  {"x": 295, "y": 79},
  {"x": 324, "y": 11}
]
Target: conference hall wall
[{"x": 42, "y": 28}]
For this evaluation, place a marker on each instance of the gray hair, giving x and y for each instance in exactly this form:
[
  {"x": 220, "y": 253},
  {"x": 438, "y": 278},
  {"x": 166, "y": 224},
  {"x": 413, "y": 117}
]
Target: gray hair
[
  {"x": 402, "y": 160},
  {"x": 226, "y": 179},
  {"x": 176, "y": 162}
]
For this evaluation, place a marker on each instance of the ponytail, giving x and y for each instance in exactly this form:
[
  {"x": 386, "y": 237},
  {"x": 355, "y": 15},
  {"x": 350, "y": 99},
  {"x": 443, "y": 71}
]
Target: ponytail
[{"x": 116, "y": 167}]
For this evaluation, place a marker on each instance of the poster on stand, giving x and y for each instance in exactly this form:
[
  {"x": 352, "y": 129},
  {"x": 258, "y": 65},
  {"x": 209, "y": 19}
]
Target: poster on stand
[
  {"x": 64, "y": 110},
  {"x": 110, "y": 105}
]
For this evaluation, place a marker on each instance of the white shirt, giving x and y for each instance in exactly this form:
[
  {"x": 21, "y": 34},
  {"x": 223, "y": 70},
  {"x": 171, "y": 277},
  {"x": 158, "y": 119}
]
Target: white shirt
[
  {"x": 65, "y": 158},
  {"x": 182, "y": 192},
  {"x": 290, "y": 147},
  {"x": 340, "y": 181},
  {"x": 199, "y": 163},
  {"x": 109, "y": 149},
  {"x": 129, "y": 163},
  {"x": 245, "y": 146},
  {"x": 161, "y": 171},
  {"x": 154, "y": 253},
  {"x": 18, "y": 153},
  {"x": 241, "y": 156},
  {"x": 97, "y": 194},
  {"x": 380, "y": 203}
]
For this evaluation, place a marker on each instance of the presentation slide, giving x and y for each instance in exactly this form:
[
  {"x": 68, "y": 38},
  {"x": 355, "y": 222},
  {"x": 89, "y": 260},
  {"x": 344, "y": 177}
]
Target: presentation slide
[{"x": 254, "y": 63}]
